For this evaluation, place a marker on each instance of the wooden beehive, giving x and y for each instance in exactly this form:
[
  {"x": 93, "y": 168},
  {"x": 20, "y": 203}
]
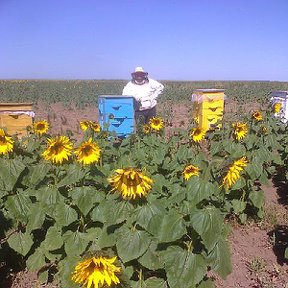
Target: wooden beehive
[
  {"x": 208, "y": 107},
  {"x": 15, "y": 117}
]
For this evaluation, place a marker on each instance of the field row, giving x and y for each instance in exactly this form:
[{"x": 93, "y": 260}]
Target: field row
[{"x": 87, "y": 91}]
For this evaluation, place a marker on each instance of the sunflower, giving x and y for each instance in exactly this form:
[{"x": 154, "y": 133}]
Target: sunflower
[
  {"x": 41, "y": 127},
  {"x": 264, "y": 130},
  {"x": 233, "y": 173},
  {"x": 257, "y": 115},
  {"x": 6, "y": 142},
  {"x": 277, "y": 107},
  {"x": 197, "y": 134},
  {"x": 189, "y": 171},
  {"x": 85, "y": 124},
  {"x": 156, "y": 123},
  {"x": 95, "y": 126},
  {"x": 88, "y": 152},
  {"x": 240, "y": 130},
  {"x": 130, "y": 183},
  {"x": 58, "y": 149},
  {"x": 96, "y": 271},
  {"x": 146, "y": 129}
]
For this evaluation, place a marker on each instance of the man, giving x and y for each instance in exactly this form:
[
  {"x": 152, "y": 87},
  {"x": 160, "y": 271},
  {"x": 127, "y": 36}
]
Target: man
[{"x": 145, "y": 90}]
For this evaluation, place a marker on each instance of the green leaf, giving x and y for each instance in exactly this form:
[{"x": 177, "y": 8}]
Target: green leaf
[
  {"x": 21, "y": 242},
  {"x": 257, "y": 198},
  {"x": 66, "y": 268},
  {"x": 254, "y": 170},
  {"x": 36, "y": 260},
  {"x": 168, "y": 228},
  {"x": 132, "y": 243},
  {"x": 85, "y": 198},
  {"x": 36, "y": 174},
  {"x": 106, "y": 239},
  {"x": 49, "y": 195},
  {"x": 53, "y": 239},
  {"x": 75, "y": 173},
  {"x": 151, "y": 258},
  {"x": 154, "y": 282},
  {"x": 220, "y": 258},
  {"x": 198, "y": 189},
  {"x": 208, "y": 223},
  {"x": 36, "y": 216},
  {"x": 183, "y": 268},
  {"x": 75, "y": 243},
  {"x": 243, "y": 218},
  {"x": 43, "y": 276},
  {"x": 206, "y": 284},
  {"x": 115, "y": 212},
  {"x": 144, "y": 213},
  {"x": 96, "y": 214},
  {"x": 238, "y": 206},
  {"x": 64, "y": 214},
  {"x": 18, "y": 205},
  {"x": 240, "y": 183},
  {"x": 10, "y": 171}
]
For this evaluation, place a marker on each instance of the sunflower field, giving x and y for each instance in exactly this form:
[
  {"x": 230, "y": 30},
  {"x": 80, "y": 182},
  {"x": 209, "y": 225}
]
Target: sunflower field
[{"x": 146, "y": 211}]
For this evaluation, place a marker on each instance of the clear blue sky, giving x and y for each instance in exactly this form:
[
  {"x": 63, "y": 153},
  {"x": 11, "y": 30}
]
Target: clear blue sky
[{"x": 172, "y": 40}]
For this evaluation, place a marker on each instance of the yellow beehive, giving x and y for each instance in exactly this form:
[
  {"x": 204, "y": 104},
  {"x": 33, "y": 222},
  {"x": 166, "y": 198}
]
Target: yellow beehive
[
  {"x": 15, "y": 117},
  {"x": 208, "y": 107}
]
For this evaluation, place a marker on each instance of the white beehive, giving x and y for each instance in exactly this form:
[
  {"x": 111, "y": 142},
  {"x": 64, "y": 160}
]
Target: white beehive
[{"x": 281, "y": 97}]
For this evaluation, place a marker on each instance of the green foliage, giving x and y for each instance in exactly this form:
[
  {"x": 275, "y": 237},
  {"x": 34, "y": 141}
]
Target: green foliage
[{"x": 56, "y": 215}]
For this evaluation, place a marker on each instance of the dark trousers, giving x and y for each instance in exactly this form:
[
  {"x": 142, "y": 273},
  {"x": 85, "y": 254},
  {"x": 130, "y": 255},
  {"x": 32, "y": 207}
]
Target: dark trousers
[{"x": 143, "y": 117}]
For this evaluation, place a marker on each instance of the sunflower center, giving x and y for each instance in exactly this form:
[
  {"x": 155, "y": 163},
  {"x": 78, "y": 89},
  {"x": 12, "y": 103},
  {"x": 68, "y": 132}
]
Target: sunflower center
[
  {"x": 131, "y": 179},
  {"x": 86, "y": 150},
  {"x": 40, "y": 126},
  {"x": 197, "y": 132},
  {"x": 57, "y": 148}
]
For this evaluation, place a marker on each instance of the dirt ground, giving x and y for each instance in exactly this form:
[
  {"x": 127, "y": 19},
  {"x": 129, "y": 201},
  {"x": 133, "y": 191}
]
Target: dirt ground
[{"x": 256, "y": 249}]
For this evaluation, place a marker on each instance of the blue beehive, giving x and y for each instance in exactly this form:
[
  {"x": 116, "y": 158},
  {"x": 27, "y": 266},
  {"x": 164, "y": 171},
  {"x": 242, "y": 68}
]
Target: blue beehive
[{"x": 116, "y": 113}]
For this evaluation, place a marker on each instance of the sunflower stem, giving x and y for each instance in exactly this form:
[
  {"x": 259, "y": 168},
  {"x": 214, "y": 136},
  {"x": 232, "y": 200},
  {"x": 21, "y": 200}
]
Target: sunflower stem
[{"x": 140, "y": 275}]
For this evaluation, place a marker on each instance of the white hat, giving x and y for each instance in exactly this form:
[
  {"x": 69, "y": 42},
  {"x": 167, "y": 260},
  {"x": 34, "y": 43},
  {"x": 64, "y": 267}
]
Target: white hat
[{"x": 139, "y": 70}]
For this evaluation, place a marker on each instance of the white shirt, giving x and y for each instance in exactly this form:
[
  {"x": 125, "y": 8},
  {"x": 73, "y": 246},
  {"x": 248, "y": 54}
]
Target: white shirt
[{"x": 146, "y": 93}]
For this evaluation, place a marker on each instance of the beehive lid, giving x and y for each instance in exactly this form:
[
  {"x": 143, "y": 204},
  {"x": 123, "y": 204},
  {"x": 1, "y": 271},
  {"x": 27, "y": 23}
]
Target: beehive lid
[
  {"x": 115, "y": 96},
  {"x": 209, "y": 90},
  {"x": 280, "y": 92},
  {"x": 27, "y": 106}
]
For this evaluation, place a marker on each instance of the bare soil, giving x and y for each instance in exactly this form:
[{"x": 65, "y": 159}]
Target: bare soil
[{"x": 257, "y": 249}]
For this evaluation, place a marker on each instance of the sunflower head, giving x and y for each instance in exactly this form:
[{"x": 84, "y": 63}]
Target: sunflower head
[
  {"x": 240, "y": 130},
  {"x": 146, "y": 129},
  {"x": 257, "y": 115},
  {"x": 264, "y": 130},
  {"x": 96, "y": 271},
  {"x": 189, "y": 171},
  {"x": 95, "y": 126},
  {"x": 197, "y": 134},
  {"x": 58, "y": 149},
  {"x": 85, "y": 124},
  {"x": 41, "y": 127},
  {"x": 156, "y": 123},
  {"x": 233, "y": 173},
  {"x": 6, "y": 143},
  {"x": 130, "y": 183},
  {"x": 277, "y": 107},
  {"x": 88, "y": 152}
]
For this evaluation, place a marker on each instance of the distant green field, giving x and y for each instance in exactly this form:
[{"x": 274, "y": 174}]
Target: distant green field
[{"x": 87, "y": 91}]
